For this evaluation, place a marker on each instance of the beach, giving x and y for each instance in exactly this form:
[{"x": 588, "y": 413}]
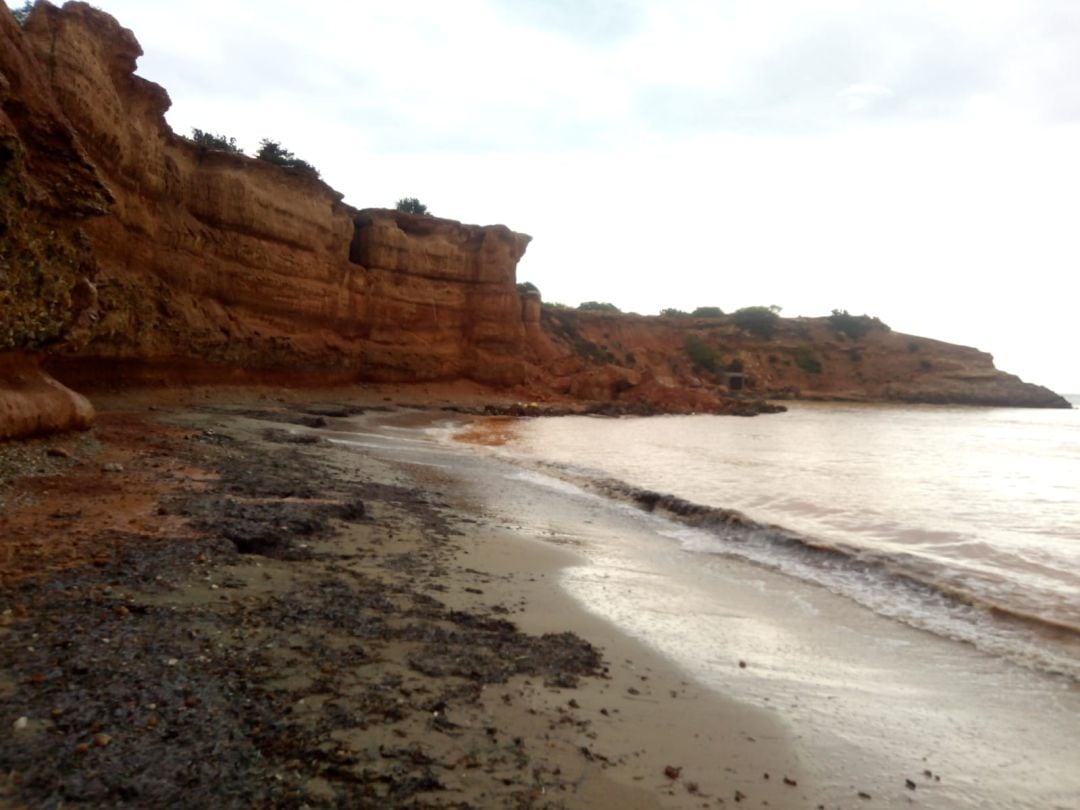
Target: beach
[
  {"x": 266, "y": 600},
  {"x": 209, "y": 603}
]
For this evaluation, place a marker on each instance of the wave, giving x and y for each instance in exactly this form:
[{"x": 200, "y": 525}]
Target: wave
[{"x": 905, "y": 587}]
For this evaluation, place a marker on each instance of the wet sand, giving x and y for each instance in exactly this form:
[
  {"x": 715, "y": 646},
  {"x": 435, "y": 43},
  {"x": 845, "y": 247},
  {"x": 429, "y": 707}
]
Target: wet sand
[{"x": 221, "y": 605}]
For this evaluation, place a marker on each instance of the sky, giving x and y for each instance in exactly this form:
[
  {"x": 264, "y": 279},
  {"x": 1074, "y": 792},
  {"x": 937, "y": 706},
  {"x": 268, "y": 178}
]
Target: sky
[{"x": 917, "y": 160}]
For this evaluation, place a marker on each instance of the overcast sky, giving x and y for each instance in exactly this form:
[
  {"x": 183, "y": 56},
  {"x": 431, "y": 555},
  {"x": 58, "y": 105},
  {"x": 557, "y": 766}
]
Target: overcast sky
[{"x": 918, "y": 160}]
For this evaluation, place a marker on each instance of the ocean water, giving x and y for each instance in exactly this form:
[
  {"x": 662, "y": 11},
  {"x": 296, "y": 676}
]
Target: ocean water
[
  {"x": 840, "y": 601},
  {"x": 964, "y": 522}
]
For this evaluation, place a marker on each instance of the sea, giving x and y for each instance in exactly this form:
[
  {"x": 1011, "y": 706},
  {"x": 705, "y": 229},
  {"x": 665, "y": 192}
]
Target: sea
[
  {"x": 961, "y": 521},
  {"x": 899, "y": 584}
]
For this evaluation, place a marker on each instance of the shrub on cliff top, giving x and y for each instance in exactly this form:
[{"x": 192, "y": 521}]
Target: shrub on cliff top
[
  {"x": 854, "y": 326},
  {"x": 708, "y": 312},
  {"x": 20, "y": 14},
  {"x": 212, "y": 141},
  {"x": 411, "y": 205},
  {"x": 527, "y": 287},
  {"x": 274, "y": 152},
  {"x": 760, "y": 321},
  {"x": 671, "y": 312},
  {"x": 597, "y": 306}
]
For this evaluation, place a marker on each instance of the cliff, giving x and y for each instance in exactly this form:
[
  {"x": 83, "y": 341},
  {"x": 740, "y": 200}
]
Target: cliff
[
  {"x": 808, "y": 358},
  {"x": 131, "y": 255},
  {"x": 49, "y": 189}
]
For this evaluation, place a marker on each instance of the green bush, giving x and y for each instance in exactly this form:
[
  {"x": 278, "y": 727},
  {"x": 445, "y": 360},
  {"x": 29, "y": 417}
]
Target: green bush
[
  {"x": 274, "y": 152},
  {"x": 805, "y": 359},
  {"x": 411, "y": 205},
  {"x": 597, "y": 306},
  {"x": 760, "y": 321},
  {"x": 20, "y": 14},
  {"x": 854, "y": 326},
  {"x": 673, "y": 313},
  {"x": 212, "y": 141},
  {"x": 701, "y": 354},
  {"x": 708, "y": 312},
  {"x": 527, "y": 287},
  {"x": 562, "y": 322}
]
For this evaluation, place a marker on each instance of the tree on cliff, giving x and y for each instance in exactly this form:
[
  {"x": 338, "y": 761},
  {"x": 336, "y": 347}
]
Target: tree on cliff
[
  {"x": 274, "y": 152},
  {"x": 855, "y": 326},
  {"x": 760, "y": 321},
  {"x": 20, "y": 14},
  {"x": 411, "y": 205},
  {"x": 598, "y": 306},
  {"x": 708, "y": 312},
  {"x": 212, "y": 141}
]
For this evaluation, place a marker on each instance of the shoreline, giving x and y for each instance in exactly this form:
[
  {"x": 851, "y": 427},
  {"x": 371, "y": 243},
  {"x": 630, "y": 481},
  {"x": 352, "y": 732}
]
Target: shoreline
[
  {"x": 413, "y": 623},
  {"x": 877, "y": 705},
  {"x": 371, "y": 645}
]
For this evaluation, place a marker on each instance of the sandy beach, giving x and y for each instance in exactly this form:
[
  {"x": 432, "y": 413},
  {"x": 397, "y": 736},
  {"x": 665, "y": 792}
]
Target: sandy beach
[{"x": 216, "y": 603}]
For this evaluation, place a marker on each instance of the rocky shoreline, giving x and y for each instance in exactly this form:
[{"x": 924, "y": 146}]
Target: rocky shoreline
[
  {"x": 214, "y": 668},
  {"x": 207, "y": 606}
]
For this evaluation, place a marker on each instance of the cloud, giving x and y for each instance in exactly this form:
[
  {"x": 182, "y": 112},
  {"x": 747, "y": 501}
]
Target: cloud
[
  {"x": 863, "y": 96},
  {"x": 597, "y": 22}
]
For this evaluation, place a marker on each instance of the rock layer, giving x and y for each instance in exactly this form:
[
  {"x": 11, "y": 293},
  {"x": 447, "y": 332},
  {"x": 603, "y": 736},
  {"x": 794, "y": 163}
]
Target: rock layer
[
  {"x": 32, "y": 402},
  {"x": 804, "y": 358}
]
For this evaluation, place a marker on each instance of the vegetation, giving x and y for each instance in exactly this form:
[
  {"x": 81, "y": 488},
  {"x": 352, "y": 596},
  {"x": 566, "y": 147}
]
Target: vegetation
[
  {"x": 274, "y": 152},
  {"x": 674, "y": 313},
  {"x": 854, "y": 326},
  {"x": 701, "y": 354},
  {"x": 805, "y": 359},
  {"x": 527, "y": 287},
  {"x": 562, "y": 321},
  {"x": 708, "y": 312},
  {"x": 597, "y": 306},
  {"x": 212, "y": 141},
  {"x": 20, "y": 14},
  {"x": 760, "y": 321},
  {"x": 411, "y": 205}
]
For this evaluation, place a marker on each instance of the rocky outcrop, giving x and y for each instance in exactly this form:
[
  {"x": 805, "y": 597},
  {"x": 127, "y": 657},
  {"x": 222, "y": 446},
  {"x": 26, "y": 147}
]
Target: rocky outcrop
[
  {"x": 441, "y": 299},
  {"x": 32, "y": 402},
  {"x": 804, "y": 358},
  {"x": 215, "y": 266},
  {"x": 49, "y": 189}
]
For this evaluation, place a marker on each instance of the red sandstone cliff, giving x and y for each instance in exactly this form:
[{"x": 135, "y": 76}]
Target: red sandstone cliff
[
  {"x": 132, "y": 255},
  {"x": 217, "y": 266},
  {"x": 611, "y": 354}
]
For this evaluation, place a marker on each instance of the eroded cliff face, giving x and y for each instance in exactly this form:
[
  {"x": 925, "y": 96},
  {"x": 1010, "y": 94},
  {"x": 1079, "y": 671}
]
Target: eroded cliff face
[
  {"x": 49, "y": 190},
  {"x": 214, "y": 266},
  {"x": 805, "y": 357},
  {"x": 132, "y": 255},
  {"x": 442, "y": 299}
]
